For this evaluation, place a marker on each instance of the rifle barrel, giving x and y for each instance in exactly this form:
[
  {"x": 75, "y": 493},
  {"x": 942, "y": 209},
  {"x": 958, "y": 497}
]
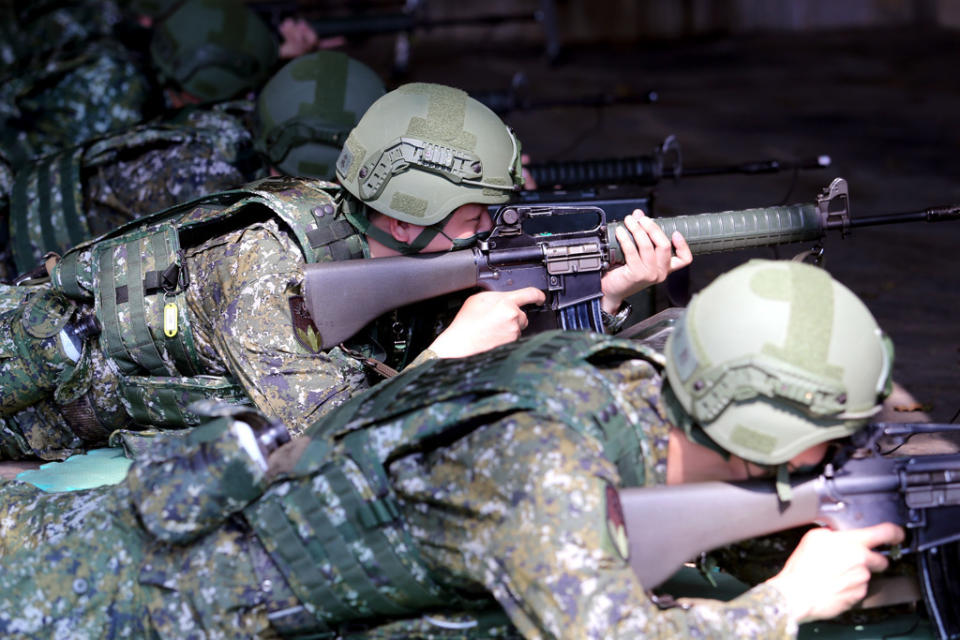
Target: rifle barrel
[
  {"x": 376, "y": 24},
  {"x": 932, "y": 214},
  {"x": 649, "y": 170},
  {"x": 750, "y": 168}
]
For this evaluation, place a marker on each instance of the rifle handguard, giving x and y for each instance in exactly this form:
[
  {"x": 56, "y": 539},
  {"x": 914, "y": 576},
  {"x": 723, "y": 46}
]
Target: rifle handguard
[{"x": 730, "y": 230}]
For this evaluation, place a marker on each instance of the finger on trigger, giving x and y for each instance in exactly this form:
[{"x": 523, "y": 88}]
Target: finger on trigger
[{"x": 527, "y": 295}]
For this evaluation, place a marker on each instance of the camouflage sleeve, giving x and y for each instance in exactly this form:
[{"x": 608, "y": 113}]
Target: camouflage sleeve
[
  {"x": 183, "y": 487},
  {"x": 535, "y": 520},
  {"x": 246, "y": 286}
]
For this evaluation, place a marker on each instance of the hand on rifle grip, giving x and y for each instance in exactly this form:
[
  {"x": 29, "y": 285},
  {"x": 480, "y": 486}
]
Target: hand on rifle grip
[
  {"x": 829, "y": 571},
  {"x": 486, "y": 320}
]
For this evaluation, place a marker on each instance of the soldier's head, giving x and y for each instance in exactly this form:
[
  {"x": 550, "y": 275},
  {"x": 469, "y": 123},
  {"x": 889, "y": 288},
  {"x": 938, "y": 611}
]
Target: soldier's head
[
  {"x": 775, "y": 358},
  {"x": 213, "y": 49},
  {"x": 307, "y": 109},
  {"x": 424, "y": 156}
]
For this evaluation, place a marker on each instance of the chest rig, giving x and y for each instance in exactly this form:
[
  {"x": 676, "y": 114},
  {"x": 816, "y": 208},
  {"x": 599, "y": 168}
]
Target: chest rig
[
  {"x": 335, "y": 526},
  {"x": 136, "y": 278},
  {"x": 47, "y": 208}
]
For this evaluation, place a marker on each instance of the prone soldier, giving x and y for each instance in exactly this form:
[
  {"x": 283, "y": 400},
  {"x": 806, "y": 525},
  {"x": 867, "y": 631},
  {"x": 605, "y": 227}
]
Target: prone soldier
[
  {"x": 203, "y": 300},
  {"x": 68, "y": 198},
  {"x": 472, "y": 485}
]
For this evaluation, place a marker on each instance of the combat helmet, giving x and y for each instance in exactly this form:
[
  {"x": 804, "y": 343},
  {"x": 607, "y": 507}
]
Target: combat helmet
[
  {"x": 307, "y": 109},
  {"x": 773, "y": 358},
  {"x": 213, "y": 49},
  {"x": 423, "y": 150}
]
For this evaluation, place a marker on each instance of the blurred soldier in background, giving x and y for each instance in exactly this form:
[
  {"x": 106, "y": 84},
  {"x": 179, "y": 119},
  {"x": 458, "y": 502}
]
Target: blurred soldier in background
[{"x": 300, "y": 119}]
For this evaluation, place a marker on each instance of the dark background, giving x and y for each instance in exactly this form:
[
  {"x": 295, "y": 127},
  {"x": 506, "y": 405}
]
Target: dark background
[{"x": 873, "y": 84}]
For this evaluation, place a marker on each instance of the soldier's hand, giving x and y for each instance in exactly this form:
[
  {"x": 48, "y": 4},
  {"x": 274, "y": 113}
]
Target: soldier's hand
[
  {"x": 299, "y": 38},
  {"x": 829, "y": 571},
  {"x": 650, "y": 256},
  {"x": 486, "y": 320}
]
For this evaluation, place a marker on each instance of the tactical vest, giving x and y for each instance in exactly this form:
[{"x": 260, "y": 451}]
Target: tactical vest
[
  {"x": 137, "y": 281},
  {"x": 47, "y": 205},
  {"x": 335, "y": 528}
]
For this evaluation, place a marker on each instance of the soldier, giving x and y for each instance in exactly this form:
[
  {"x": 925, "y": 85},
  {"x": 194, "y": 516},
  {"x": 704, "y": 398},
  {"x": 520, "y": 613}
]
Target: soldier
[
  {"x": 204, "y": 300},
  {"x": 62, "y": 200},
  {"x": 211, "y": 50},
  {"x": 473, "y": 484},
  {"x": 201, "y": 51}
]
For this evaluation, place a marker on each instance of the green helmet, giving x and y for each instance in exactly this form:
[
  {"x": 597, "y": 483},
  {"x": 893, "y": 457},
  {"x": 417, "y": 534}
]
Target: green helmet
[
  {"x": 214, "y": 49},
  {"x": 423, "y": 150},
  {"x": 773, "y": 358},
  {"x": 306, "y": 110}
]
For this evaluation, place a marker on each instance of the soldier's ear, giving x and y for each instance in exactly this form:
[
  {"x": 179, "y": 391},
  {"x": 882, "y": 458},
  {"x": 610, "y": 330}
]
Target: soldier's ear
[{"x": 403, "y": 231}]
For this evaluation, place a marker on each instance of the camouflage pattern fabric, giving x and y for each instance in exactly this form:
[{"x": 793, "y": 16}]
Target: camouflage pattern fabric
[
  {"x": 516, "y": 508},
  {"x": 62, "y": 102},
  {"x": 206, "y": 161},
  {"x": 238, "y": 303},
  {"x": 30, "y": 29},
  {"x": 121, "y": 177}
]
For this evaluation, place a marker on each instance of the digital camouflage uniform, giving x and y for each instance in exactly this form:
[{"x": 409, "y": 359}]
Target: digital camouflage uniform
[
  {"x": 454, "y": 482},
  {"x": 31, "y": 28},
  {"x": 62, "y": 200},
  {"x": 66, "y": 99},
  {"x": 223, "y": 274}
]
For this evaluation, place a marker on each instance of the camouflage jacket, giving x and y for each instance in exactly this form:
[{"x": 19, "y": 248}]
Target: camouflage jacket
[
  {"x": 68, "y": 98},
  {"x": 30, "y": 29},
  {"x": 238, "y": 330},
  {"x": 62, "y": 200},
  {"x": 515, "y": 506}
]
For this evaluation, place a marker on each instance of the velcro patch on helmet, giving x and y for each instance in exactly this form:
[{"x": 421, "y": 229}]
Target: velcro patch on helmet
[{"x": 753, "y": 440}]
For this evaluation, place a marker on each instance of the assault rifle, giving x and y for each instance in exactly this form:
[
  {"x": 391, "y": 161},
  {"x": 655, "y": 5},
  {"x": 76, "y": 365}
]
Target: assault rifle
[
  {"x": 666, "y": 161},
  {"x": 859, "y": 487},
  {"x": 563, "y": 251}
]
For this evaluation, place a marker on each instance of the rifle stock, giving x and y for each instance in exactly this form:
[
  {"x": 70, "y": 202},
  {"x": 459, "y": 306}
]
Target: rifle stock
[
  {"x": 694, "y": 518},
  {"x": 344, "y": 296}
]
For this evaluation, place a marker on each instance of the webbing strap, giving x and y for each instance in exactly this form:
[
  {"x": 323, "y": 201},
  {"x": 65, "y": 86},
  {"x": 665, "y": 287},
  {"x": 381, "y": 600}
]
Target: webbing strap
[
  {"x": 48, "y": 237},
  {"x": 107, "y": 293},
  {"x": 143, "y": 349},
  {"x": 67, "y": 273},
  {"x": 299, "y": 566},
  {"x": 342, "y": 557},
  {"x": 398, "y": 575},
  {"x": 22, "y": 246},
  {"x": 72, "y": 198},
  {"x": 176, "y": 346}
]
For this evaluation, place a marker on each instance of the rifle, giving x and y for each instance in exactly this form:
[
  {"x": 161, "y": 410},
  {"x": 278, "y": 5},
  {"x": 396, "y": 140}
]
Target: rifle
[
  {"x": 859, "y": 487},
  {"x": 665, "y": 161},
  {"x": 563, "y": 251},
  {"x": 515, "y": 98},
  {"x": 412, "y": 18}
]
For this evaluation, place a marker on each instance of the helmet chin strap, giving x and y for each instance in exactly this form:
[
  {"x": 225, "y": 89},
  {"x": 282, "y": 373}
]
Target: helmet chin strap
[{"x": 362, "y": 223}]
